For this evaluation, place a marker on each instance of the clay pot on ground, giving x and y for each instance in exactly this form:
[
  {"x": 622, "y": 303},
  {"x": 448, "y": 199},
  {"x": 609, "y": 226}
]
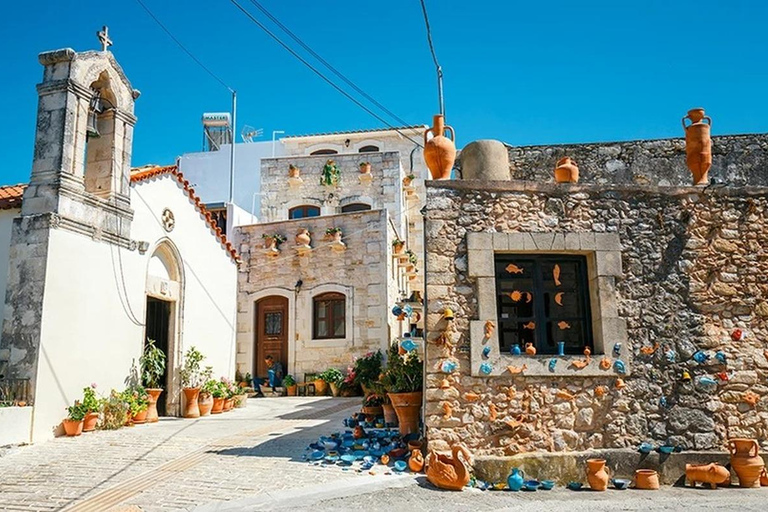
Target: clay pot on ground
[
  {"x": 218, "y": 406},
  {"x": 154, "y": 394},
  {"x": 439, "y": 151},
  {"x": 292, "y": 390},
  {"x": 408, "y": 408},
  {"x": 205, "y": 404},
  {"x": 140, "y": 417},
  {"x": 597, "y": 476},
  {"x": 303, "y": 238},
  {"x": 191, "y": 410},
  {"x": 321, "y": 387},
  {"x": 365, "y": 168},
  {"x": 390, "y": 416},
  {"x": 530, "y": 349},
  {"x": 746, "y": 462},
  {"x": 712, "y": 474},
  {"x": 228, "y": 404},
  {"x": 73, "y": 427},
  {"x": 449, "y": 472},
  {"x": 646, "y": 479},
  {"x": 698, "y": 145},
  {"x": 373, "y": 411},
  {"x": 566, "y": 171},
  {"x": 335, "y": 390},
  {"x": 89, "y": 422},
  {"x": 416, "y": 460}
]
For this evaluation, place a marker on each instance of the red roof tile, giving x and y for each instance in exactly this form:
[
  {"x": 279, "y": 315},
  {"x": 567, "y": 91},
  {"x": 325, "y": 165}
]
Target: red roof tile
[{"x": 10, "y": 196}]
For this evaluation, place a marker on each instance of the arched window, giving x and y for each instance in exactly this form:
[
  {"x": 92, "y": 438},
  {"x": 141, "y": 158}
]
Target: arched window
[
  {"x": 303, "y": 211},
  {"x": 324, "y": 152},
  {"x": 368, "y": 149},
  {"x": 328, "y": 316},
  {"x": 355, "y": 207}
]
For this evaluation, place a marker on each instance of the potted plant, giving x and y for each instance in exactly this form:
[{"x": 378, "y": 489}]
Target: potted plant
[
  {"x": 240, "y": 397},
  {"x": 73, "y": 424},
  {"x": 367, "y": 370},
  {"x": 398, "y": 246},
  {"x": 408, "y": 180},
  {"x": 372, "y": 405},
  {"x": 333, "y": 377},
  {"x": 152, "y": 363},
  {"x": 205, "y": 397},
  {"x": 365, "y": 167},
  {"x": 290, "y": 385},
  {"x": 331, "y": 174},
  {"x": 219, "y": 393},
  {"x": 412, "y": 260},
  {"x": 403, "y": 381},
  {"x": 115, "y": 411},
  {"x": 230, "y": 393},
  {"x": 273, "y": 241},
  {"x": 191, "y": 379},
  {"x": 293, "y": 171},
  {"x": 92, "y": 407},
  {"x": 137, "y": 399},
  {"x": 333, "y": 233}
]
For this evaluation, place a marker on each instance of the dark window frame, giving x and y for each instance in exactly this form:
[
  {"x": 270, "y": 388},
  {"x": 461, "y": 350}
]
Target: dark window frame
[
  {"x": 305, "y": 209},
  {"x": 355, "y": 207},
  {"x": 539, "y": 313},
  {"x": 369, "y": 149},
  {"x": 325, "y": 151},
  {"x": 330, "y": 299}
]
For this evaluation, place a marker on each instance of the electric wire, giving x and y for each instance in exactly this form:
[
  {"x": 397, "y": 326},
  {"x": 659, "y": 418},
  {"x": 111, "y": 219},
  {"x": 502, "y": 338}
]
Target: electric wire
[
  {"x": 318, "y": 72},
  {"x": 326, "y": 63},
  {"x": 184, "y": 48},
  {"x": 434, "y": 58}
]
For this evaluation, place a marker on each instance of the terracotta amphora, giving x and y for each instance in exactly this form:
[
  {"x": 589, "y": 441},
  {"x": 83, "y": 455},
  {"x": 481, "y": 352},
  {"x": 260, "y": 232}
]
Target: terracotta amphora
[
  {"x": 566, "y": 171},
  {"x": 647, "y": 479},
  {"x": 530, "y": 349},
  {"x": 712, "y": 474},
  {"x": 597, "y": 476},
  {"x": 746, "y": 462},
  {"x": 439, "y": 151},
  {"x": 698, "y": 145},
  {"x": 154, "y": 394},
  {"x": 416, "y": 460},
  {"x": 191, "y": 409},
  {"x": 303, "y": 238}
]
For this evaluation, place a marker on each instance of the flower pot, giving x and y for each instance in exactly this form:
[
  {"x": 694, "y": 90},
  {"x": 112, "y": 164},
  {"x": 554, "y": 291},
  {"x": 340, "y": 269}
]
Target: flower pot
[
  {"x": 596, "y": 474},
  {"x": 191, "y": 410},
  {"x": 218, "y": 406},
  {"x": 228, "y": 403},
  {"x": 566, "y": 171},
  {"x": 303, "y": 238},
  {"x": 154, "y": 394},
  {"x": 530, "y": 349},
  {"x": 365, "y": 168},
  {"x": 334, "y": 389},
  {"x": 337, "y": 236},
  {"x": 390, "y": 417},
  {"x": 292, "y": 390},
  {"x": 646, "y": 479},
  {"x": 746, "y": 462},
  {"x": 398, "y": 248},
  {"x": 240, "y": 401},
  {"x": 373, "y": 411},
  {"x": 407, "y": 181},
  {"x": 73, "y": 427},
  {"x": 294, "y": 172},
  {"x": 205, "y": 404},
  {"x": 320, "y": 387},
  {"x": 408, "y": 408},
  {"x": 89, "y": 422},
  {"x": 698, "y": 145},
  {"x": 270, "y": 243},
  {"x": 439, "y": 151},
  {"x": 140, "y": 417}
]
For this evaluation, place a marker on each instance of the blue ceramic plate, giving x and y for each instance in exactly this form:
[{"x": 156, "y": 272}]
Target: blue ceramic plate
[
  {"x": 317, "y": 454},
  {"x": 349, "y": 459},
  {"x": 547, "y": 485},
  {"x": 400, "y": 465}
]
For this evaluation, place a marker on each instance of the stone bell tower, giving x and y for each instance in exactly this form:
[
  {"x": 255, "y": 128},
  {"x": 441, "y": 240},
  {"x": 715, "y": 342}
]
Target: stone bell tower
[{"x": 80, "y": 184}]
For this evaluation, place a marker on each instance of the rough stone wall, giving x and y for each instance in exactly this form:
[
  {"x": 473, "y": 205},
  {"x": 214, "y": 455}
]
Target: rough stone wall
[
  {"x": 362, "y": 273},
  {"x": 738, "y": 160},
  {"x": 695, "y": 269}
]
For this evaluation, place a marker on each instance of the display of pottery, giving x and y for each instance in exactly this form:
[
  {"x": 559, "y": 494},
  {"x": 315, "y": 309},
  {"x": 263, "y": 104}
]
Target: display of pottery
[
  {"x": 597, "y": 476},
  {"x": 698, "y": 145},
  {"x": 712, "y": 474},
  {"x": 746, "y": 461},
  {"x": 439, "y": 151},
  {"x": 646, "y": 479},
  {"x": 449, "y": 471},
  {"x": 566, "y": 171}
]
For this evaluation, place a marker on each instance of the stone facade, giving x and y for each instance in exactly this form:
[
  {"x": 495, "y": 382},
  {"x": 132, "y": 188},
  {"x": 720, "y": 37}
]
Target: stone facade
[{"x": 693, "y": 270}]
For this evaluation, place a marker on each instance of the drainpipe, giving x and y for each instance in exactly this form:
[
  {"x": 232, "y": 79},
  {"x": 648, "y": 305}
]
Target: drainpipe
[{"x": 424, "y": 310}]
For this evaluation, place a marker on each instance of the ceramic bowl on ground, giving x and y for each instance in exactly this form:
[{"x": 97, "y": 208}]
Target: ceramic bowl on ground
[
  {"x": 349, "y": 443},
  {"x": 620, "y": 484},
  {"x": 531, "y": 485},
  {"x": 369, "y": 459},
  {"x": 348, "y": 459},
  {"x": 333, "y": 453},
  {"x": 547, "y": 485},
  {"x": 360, "y": 453},
  {"x": 366, "y": 466},
  {"x": 330, "y": 445},
  {"x": 400, "y": 465},
  {"x": 331, "y": 459},
  {"x": 316, "y": 446},
  {"x": 317, "y": 454},
  {"x": 398, "y": 452},
  {"x": 575, "y": 486}
]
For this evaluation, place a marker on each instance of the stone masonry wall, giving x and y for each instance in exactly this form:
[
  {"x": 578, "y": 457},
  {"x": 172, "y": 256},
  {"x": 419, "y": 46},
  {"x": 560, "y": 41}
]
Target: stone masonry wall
[{"x": 694, "y": 269}]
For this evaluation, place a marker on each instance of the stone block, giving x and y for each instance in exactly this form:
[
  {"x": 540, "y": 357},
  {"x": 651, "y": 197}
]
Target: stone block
[
  {"x": 608, "y": 263},
  {"x": 500, "y": 242},
  {"x": 486, "y": 298},
  {"x": 607, "y": 242},
  {"x": 481, "y": 263},
  {"x": 543, "y": 241}
]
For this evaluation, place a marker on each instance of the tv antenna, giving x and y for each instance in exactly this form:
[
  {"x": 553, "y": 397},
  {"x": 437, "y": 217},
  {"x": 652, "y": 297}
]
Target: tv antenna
[{"x": 250, "y": 133}]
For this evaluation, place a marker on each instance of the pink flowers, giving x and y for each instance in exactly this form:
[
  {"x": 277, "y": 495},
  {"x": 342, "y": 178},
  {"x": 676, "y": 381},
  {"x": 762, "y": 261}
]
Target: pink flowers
[{"x": 93, "y": 385}]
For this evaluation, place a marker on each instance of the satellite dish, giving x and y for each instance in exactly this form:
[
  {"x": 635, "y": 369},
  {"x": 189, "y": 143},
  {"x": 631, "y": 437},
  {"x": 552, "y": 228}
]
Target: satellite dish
[{"x": 249, "y": 133}]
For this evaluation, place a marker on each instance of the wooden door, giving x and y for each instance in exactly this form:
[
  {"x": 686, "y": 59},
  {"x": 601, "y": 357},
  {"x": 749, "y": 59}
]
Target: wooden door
[
  {"x": 271, "y": 333},
  {"x": 158, "y": 329}
]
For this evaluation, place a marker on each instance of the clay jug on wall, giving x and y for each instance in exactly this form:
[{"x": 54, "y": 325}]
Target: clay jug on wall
[
  {"x": 530, "y": 349},
  {"x": 302, "y": 237},
  {"x": 566, "y": 171},
  {"x": 698, "y": 145},
  {"x": 439, "y": 151},
  {"x": 746, "y": 462},
  {"x": 596, "y": 474}
]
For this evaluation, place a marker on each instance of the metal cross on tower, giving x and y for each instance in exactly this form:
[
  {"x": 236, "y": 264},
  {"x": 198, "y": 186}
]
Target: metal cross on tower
[{"x": 104, "y": 39}]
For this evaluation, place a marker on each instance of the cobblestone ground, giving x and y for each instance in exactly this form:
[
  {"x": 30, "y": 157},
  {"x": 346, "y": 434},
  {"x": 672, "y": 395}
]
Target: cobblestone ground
[{"x": 177, "y": 464}]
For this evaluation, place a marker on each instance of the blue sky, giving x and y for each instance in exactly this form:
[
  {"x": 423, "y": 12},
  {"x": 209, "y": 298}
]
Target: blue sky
[{"x": 541, "y": 72}]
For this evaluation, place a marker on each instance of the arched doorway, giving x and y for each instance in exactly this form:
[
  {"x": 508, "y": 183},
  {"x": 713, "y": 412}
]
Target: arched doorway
[
  {"x": 163, "y": 292},
  {"x": 270, "y": 333}
]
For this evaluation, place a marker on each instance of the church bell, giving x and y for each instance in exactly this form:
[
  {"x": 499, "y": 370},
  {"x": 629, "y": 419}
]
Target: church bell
[{"x": 94, "y": 109}]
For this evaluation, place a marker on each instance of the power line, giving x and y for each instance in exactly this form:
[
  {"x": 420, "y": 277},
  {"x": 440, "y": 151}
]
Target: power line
[
  {"x": 434, "y": 59},
  {"x": 317, "y": 72},
  {"x": 180, "y": 45},
  {"x": 326, "y": 63}
]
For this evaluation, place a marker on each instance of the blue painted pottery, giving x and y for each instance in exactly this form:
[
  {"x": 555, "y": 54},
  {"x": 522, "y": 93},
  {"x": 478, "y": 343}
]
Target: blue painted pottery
[
  {"x": 349, "y": 443},
  {"x": 332, "y": 459},
  {"x": 620, "y": 484},
  {"x": 317, "y": 454},
  {"x": 486, "y": 350},
  {"x": 666, "y": 449},
  {"x": 349, "y": 459},
  {"x": 575, "y": 486},
  {"x": 366, "y": 466},
  {"x": 515, "y": 350},
  {"x": 486, "y": 368},
  {"x": 369, "y": 459},
  {"x": 531, "y": 485},
  {"x": 360, "y": 453},
  {"x": 645, "y": 448},
  {"x": 400, "y": 465},
  {"x": 547, "y": 485},
  {"x": 515, "y": 479}
]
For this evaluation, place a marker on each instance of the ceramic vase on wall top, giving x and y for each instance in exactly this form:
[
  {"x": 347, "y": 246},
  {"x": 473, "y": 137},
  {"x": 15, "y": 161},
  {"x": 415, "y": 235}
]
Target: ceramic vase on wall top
[
  {"x": 698, "y": 145},
  {"x": 439, "y": 151}
]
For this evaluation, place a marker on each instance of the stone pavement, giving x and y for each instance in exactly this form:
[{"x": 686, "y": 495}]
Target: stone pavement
[{"x": 178, "y": 464}]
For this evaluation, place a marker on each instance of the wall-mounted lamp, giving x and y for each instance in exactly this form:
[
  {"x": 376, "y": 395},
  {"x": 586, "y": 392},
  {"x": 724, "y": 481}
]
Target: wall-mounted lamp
[
  {"x": 297, "y": 286},
  {"x": 346, "y": 143}
]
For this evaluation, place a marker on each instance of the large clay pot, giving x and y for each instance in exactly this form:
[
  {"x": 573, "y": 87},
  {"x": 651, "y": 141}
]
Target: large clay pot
[
  {"x": 698, "y": 145},
  {"x": 270, "y": 243},
  {"x": 416, "y": 460},
  {"x": 439, "y": 151},
  {"x": 335, "y": 390},
  {"x": 712, "y": 474},
  {"x": 646, "y": 479},
  {"x": 154, "y": 394},
  {"x": 303, "y": 238},
  {"x": 191, "y": 410},
  {"x": 228, "y": 403},
  {"x": 596, "y": 474},
  {"x": 746, "y": 462},
  {"x": 566, "y": 171},
  {"x": 293, "y": 172},
  {"x": 218, "y": 406},
  {"x": 73, "y": 427},
  {"x": 205, "y": 404},
  {"x": 408, "y": 408},
  {"x": 292, "y": 390},
  {"x": 89, "y": 422},
  {"x": 365, "y": 168},
  {"x": 390, "y": 416},
  {"x": 321, "y": 387},
  {"x": 140, "y": 417},
  {"x": 374, "y": 411}
]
